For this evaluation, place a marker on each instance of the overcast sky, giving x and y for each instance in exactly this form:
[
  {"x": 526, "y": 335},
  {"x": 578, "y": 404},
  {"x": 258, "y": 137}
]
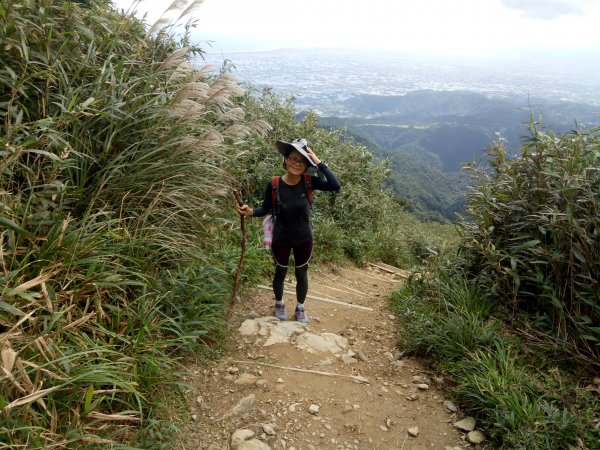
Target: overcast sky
[{"x": 451, "y": 27}]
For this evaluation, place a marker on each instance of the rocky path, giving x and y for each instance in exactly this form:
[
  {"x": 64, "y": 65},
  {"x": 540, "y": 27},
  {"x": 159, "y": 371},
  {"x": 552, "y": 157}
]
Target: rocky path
[{"x": 338, "y": 383}]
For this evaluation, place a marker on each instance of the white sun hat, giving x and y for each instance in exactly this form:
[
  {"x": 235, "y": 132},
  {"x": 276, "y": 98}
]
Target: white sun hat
[{"x": 299, "y": 145}]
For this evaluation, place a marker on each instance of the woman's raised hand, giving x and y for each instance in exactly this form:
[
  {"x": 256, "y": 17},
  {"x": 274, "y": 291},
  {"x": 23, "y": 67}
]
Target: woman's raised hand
[{"x": 312, "y": 155}]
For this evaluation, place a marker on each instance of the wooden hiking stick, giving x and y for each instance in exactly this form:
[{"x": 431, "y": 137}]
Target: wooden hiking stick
[{"x": 238, "y": 271}]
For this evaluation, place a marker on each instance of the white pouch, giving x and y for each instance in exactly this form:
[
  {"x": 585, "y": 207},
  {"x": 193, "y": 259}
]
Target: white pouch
[{"x": 268, "y": 231}]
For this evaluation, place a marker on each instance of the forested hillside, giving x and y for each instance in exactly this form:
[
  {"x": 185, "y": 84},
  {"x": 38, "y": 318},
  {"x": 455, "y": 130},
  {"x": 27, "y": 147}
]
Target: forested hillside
[
  {"x": 430, "y": 135},
  {"x": 118, "y": 233}
]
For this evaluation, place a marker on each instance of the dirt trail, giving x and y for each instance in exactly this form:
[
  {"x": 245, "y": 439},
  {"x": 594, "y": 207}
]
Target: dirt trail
[{"x": 254, "y": 388}]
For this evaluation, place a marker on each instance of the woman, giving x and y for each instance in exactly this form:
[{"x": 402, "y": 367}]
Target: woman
[{"x": 291, "y": 212}]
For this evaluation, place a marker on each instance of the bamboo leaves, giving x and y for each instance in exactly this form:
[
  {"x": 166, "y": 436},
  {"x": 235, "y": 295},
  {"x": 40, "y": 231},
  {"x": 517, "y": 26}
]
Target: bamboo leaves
[{"x": 544, "y": 232}]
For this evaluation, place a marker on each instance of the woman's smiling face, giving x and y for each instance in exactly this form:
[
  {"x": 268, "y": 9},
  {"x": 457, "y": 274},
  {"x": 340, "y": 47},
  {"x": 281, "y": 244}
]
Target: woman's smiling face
[{"x": 295, "y": 163}]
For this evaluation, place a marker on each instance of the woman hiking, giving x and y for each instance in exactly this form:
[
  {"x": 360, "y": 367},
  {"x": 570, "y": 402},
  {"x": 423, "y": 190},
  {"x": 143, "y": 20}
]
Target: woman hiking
[{"x": 291, "y": 212}]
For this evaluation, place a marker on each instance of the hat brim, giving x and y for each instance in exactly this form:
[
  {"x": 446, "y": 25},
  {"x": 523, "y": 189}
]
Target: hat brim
[{"x": 285, "y": 147}]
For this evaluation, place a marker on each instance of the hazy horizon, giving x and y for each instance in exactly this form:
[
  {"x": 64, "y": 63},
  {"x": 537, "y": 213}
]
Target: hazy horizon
[{"x": 584, "y": 60}]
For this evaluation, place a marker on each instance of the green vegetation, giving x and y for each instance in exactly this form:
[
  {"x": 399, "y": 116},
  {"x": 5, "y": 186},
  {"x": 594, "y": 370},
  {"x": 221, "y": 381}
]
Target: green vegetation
[
  {"x": 429, "y": 135},
  {"x": 118, "y": 234},
  {"x": 533, "y": 234},
  {"x": 417, "y": 175},
  {"x": 513, "y": 321}
]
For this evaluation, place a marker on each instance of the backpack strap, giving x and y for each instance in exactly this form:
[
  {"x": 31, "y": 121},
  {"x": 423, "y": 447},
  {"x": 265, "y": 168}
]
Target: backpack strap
[
  {"x": 275, "y": 199},
  {"x": 309, "y": 187}
]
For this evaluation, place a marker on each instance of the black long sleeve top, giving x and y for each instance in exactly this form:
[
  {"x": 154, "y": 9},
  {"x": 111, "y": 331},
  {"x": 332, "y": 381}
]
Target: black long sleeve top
[{"x": 292, "y": 222}]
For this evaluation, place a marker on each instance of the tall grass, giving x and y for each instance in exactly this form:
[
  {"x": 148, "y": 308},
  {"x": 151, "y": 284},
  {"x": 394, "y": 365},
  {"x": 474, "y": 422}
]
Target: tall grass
[
  {"x": 520, "y": 396},
  {"x": 112, "y": 154},
  {"x": 512, "y": 319}
]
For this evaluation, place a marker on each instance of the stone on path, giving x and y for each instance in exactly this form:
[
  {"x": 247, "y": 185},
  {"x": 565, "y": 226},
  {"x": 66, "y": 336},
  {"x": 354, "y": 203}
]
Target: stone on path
[
  {"x": 467, "y": 424},
  {"x": 239, "y": 437},
  {"x": 450, "y": 406},
  {"x": 321, "y": 343},
  {"x": 283, "y": 331},
  {"x": 348, "y": 359},
  {"x": 278, "y": 331},
  {"x": 419, "y": 379},
  {"x": 414, "y": 431},
  {"x": 246, "y": 379},
  {"x": 242, "y": 407},
  {"x": 313, "y": 409},
  {"x": 269, "y": 429},
  {"x": 476, "y": 437},
  {"x": 292, "y": 407},
  {"x": 254, "y": 444},
  {"x": 249, "y": 327}
]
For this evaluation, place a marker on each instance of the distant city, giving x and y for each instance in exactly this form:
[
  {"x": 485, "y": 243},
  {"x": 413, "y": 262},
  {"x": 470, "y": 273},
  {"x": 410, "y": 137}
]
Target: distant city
[{"x": 321, "y": 79}]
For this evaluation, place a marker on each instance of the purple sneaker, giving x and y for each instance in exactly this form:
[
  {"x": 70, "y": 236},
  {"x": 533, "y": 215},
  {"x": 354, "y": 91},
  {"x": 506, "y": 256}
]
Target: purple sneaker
[
  {"x": 280, "y": 311},
  {"x": 301, "y": 315}
]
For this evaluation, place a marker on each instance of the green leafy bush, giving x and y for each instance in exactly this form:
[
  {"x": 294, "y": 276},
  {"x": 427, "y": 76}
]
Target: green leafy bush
[{"x": 532, "y": 236}]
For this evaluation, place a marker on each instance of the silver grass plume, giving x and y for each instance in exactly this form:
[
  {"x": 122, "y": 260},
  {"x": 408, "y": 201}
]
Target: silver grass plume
[
  {"x": 187, "y": 108},
  {"x": 233, "y": 115},
  {"x": 191, "y": 8},
  {"x": 238, "y": 131},
  {"x": 211, "y": 137},
  {"x": 204, "y": 71},
  {"x": 227, "y": 82},
  {"x": 194, "y": 90},
  {"x": 260, "y": 127},
  {"x": 183, "y": 71},
  {"x": 244, "y": 130},
  {"x": 163, "y": 20},
  {"x": 174, "y": 58},
  {"x": 160, "y": 23},
  {"x": 175, "y": 5}
]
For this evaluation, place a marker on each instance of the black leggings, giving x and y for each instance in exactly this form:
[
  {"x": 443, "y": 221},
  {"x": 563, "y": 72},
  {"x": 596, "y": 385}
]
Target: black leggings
[{"x": 281, "y": 257}]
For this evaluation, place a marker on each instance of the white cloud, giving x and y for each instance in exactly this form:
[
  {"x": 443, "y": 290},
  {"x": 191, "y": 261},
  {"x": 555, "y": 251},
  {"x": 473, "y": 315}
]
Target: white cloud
[{"x": 427, "y": 26}]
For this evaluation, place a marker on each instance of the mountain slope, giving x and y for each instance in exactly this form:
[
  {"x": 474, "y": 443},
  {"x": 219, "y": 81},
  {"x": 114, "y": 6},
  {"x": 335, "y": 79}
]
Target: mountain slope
[{"x": 429, "y": 135}]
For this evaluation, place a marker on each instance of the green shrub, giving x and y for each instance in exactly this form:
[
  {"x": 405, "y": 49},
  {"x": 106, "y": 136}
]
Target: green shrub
[
  {"x": 532, "y": 236},
  {"x": 510, "y": 397}
]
